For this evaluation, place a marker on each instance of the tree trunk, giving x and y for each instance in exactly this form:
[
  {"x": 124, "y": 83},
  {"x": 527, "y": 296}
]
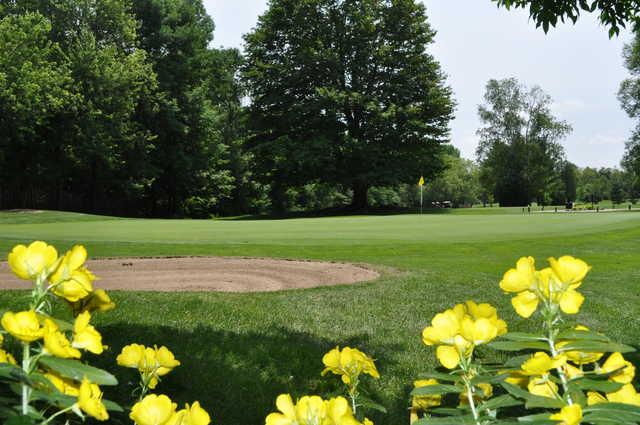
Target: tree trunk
[{"x": 360, "y": 192}]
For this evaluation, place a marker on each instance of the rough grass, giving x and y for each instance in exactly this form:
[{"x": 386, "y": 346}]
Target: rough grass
[{"x": 239, "y": 351}]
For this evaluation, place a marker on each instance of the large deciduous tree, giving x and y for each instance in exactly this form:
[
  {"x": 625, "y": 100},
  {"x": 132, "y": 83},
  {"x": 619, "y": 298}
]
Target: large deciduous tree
[
  {"x": 613, "y": 14},
  {"x": 519, "y": 153},
  {"x": 345, "y": 92},
  {"x": 629, "y": 96}
]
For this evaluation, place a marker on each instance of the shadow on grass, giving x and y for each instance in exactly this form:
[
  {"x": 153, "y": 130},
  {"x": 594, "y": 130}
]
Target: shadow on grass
[{"x": 236, "y": 377}]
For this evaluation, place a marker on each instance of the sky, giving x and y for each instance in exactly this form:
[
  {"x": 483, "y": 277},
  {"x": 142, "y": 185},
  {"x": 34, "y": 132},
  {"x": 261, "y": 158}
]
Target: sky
[{"x": 577, "y": 65}]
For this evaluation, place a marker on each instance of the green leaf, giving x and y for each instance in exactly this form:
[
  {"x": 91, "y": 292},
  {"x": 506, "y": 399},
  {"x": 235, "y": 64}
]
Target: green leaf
[
  {"x": 518, "y": 345},
  {"x": 370, "y": 404},
  {"x": 521, "y": 336},
  {"x": 76, "y": 370},
  {"x": 625, "y": 413},
  {"x": 436, "y": 389},
  {"x": 574, "y": 335},
  {"x": 440, "y": 376},
  {"x": 505, "y": 400},
  {"x": 453, "y": 420},
  {"x": 20, "y": 420},
  {"x": 596, "y": 385},
  {"x": 596, "y": 347},
  {"x": 13, "y": 373},
  {"x": 531, "y": 400},
  {"x": 489, "y": 379},
  {"x": 516, "y": 361}
]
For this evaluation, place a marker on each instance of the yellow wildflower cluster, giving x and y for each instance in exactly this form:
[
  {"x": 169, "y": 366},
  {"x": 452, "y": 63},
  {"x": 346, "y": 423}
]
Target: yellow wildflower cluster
[
  {"x": 553, "y": 286},
  {"x": 65, "y": 276},
  {"x": 459, "y": 330},
  {"x": 28, "y": 326},
  {"x": 160, "y": 410},
  {"x": 313, "y": 410},
  {"x": 151, "y": 362},
  {"x": 349, "y": 363}
]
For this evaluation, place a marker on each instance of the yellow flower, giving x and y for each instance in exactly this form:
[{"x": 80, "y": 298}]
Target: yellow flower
[
  {"x": 131, "y": 355},
  {"x": 99, "y": 301},
  {"x": 194, "y": 415},
  {"x": 543, "y": 387},
  {"x": 515, "y": 377},
  {"x": 482, "y": 391},
  {"x": 311, "y": 410},
  {"x": 540, "y": 363},
  {"x": 572, "y": 372},
  {"x": 56, "y": 343},
  {"x": 479, "y": 331},
  {"x": 71, "y": 261},
  {"x": 624, "y": 370},
  {"x": 571, "y": 301},
  {"x": 521, "y": 278},
  {"x": 569, "y": 270},
  {"x": 568, "y": 415},
  {"x": 458, "y": 330},
  {"x": 349, "y": 363},
  {"x": 153, "y": 410},
  {"x": 24, "y": 325},
  {"x": 424, "y": 402},
  {"x": 627, "y": 395},
  {"x": 79, "y": 285},
  {"x": 339, "y": 412},
  {"x": 85, "y": 336},
  {"x": 595, "y": 398},
  {"x": 486, "y": 311},
  {"x": 6, "y": 357},
  {"x": 29, "y": 262},
  {"x": 525, "y": 303},
  {"x": 64, "y": 385},
  {"x": 165, "y": 360},
  {"x": 90, "y": 400},
  {"x": 287, "y": 414},
  {"x": 444, "y": 327}
]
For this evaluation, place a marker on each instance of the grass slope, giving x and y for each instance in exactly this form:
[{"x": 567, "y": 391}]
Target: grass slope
[{"x": 239, "y": 351}]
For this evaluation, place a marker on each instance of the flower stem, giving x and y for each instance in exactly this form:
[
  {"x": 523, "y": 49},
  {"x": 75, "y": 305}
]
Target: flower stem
[
  {"x": 554, "y": 353},
  {"x": 26, "y": 366},
  {"x": 55, "y": 415}
]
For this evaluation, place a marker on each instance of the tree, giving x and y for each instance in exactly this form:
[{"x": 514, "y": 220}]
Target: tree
[
  {"x": 344, "y": 92},
  {"x": 629, "y": 96},
  {"x": 614, "y": 14},
  {"x": 569, "y": 177},
  {"x": 519, "y": 153},
  {"x": 458, "y": 183}
]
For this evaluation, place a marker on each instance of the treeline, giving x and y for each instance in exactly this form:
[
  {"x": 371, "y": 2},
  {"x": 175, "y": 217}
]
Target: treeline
[
  {"x": 118, "y": 106},
  {"x": 123, "y": 107}
]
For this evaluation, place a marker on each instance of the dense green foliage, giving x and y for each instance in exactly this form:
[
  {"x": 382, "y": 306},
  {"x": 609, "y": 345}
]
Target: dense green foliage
[
  {"x": 629, "y": 96},
  {"x": 255, "y": 346},
  {"x": 519, "y": 152},
  {"x": 344, "y": 92},
  {"x": 614, "y": 14},
  {"x": 104, "y": 107}
]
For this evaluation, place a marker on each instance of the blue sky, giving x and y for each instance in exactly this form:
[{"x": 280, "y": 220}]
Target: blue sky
[{"x": 579, "y": 66}]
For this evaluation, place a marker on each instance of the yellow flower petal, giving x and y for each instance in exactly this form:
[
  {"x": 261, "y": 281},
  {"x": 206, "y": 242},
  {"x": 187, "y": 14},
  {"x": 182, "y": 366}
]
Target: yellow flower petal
[
  {"x": 525, "y": 303},
  {"x": 570, "y": 301},
  {"x": 521, "y": 278},
  {"x": 568, "y": 415},
  {"x": 570, "y": 270},
  {"x": 448, "y": 356},
  {"x": 24, "y": 325}
]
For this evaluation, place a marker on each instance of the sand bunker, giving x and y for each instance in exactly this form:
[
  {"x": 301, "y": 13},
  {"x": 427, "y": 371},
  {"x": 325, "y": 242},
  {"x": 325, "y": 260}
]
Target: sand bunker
[{"x": 222, "y": 274}]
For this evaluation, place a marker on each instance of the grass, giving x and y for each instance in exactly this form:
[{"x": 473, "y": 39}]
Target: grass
[{"x": 239, "y": 351}]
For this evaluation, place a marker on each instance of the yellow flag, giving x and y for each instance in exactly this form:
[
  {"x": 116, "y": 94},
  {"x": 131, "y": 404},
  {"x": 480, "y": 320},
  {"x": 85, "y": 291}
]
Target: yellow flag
[{"x": 421, "y": 182}]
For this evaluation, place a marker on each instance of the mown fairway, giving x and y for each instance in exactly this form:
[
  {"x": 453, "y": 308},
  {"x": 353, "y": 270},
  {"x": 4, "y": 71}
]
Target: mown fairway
[{"x": 239, "y": 351}]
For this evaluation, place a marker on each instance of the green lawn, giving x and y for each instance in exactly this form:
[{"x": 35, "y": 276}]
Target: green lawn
[{"x": 239, "y": 352}]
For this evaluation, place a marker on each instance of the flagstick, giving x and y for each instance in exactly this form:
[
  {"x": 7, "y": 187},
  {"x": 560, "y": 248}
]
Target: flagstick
[{"x": 421, "y": 188}]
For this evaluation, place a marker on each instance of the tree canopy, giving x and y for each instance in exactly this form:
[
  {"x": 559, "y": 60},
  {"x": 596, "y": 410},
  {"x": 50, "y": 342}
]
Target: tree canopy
[
  {"x": 519, "y": 153},
  {"x": 613, "y": 14},
  {"x": 629, "y": 96},
  {"x": 345, "y": 92}
]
